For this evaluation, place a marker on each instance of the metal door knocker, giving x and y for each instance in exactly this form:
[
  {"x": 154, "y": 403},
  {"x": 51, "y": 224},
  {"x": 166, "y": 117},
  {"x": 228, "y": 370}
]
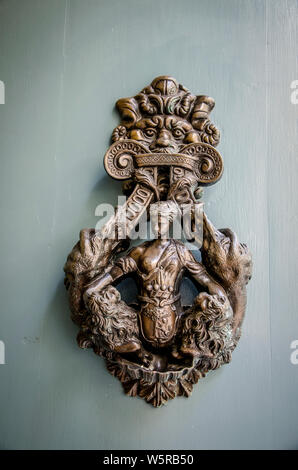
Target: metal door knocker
[{"x": 164, "y": 151}]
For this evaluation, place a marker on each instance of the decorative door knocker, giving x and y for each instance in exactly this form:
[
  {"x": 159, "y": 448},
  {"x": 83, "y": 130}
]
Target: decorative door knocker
[{"x": 159, "y": 348}]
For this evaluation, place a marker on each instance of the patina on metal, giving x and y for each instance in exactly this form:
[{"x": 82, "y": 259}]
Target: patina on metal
[{"x": 164, "y": 150}]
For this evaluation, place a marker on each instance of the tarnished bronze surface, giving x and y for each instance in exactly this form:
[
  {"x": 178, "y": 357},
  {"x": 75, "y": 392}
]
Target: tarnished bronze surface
[{"x": 164, "y": 149}]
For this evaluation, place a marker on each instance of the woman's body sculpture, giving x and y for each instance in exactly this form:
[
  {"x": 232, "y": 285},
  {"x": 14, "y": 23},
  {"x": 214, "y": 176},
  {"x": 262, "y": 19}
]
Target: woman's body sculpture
[{"x": 158, "y": 266}]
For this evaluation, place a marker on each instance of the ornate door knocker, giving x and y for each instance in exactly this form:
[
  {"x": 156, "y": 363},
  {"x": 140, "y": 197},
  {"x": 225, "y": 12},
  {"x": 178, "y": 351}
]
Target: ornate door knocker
[{"x": 164, "y": 150}]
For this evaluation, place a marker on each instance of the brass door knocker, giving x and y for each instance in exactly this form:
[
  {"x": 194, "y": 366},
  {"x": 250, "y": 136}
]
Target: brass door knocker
[{"x": 164, "y": 151}]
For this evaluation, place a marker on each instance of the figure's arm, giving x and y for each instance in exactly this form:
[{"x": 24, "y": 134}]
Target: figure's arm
[
  {"x": 122, "y": 266},
  {"x": 201, "y": 276}
]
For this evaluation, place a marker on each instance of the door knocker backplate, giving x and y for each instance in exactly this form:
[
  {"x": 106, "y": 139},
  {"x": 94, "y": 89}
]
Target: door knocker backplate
[{"x": 164, "y": 151}]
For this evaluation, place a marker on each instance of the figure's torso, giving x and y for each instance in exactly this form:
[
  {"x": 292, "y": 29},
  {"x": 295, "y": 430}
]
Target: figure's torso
[{"x": 159, "y": 272}]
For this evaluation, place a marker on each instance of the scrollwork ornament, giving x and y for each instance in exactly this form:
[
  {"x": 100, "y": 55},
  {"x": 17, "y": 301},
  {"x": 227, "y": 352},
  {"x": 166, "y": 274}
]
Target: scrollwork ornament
[{"x": 164, "y": 151}]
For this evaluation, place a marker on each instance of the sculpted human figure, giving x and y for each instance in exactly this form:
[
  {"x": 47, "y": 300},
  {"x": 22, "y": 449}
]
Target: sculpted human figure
[{"x": 159, "y": 266}]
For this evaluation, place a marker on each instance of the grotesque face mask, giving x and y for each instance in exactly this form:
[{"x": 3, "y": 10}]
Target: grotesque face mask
[
  {"x": 165, "y": 117},
  {"x": 164, "y": 134}
]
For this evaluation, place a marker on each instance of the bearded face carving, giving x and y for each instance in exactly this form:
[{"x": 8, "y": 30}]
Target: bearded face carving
[
  {"x": 165, "y": 117},
  {"x": 164, "y": 134}
]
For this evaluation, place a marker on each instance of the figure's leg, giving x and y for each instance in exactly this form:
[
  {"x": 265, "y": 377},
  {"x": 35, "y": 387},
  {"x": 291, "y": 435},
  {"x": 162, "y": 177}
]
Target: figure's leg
[
  {"x": 134, "y": 347},
  {"x": 145, "y": 356},
  {"x": 130, "y": 347}
]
